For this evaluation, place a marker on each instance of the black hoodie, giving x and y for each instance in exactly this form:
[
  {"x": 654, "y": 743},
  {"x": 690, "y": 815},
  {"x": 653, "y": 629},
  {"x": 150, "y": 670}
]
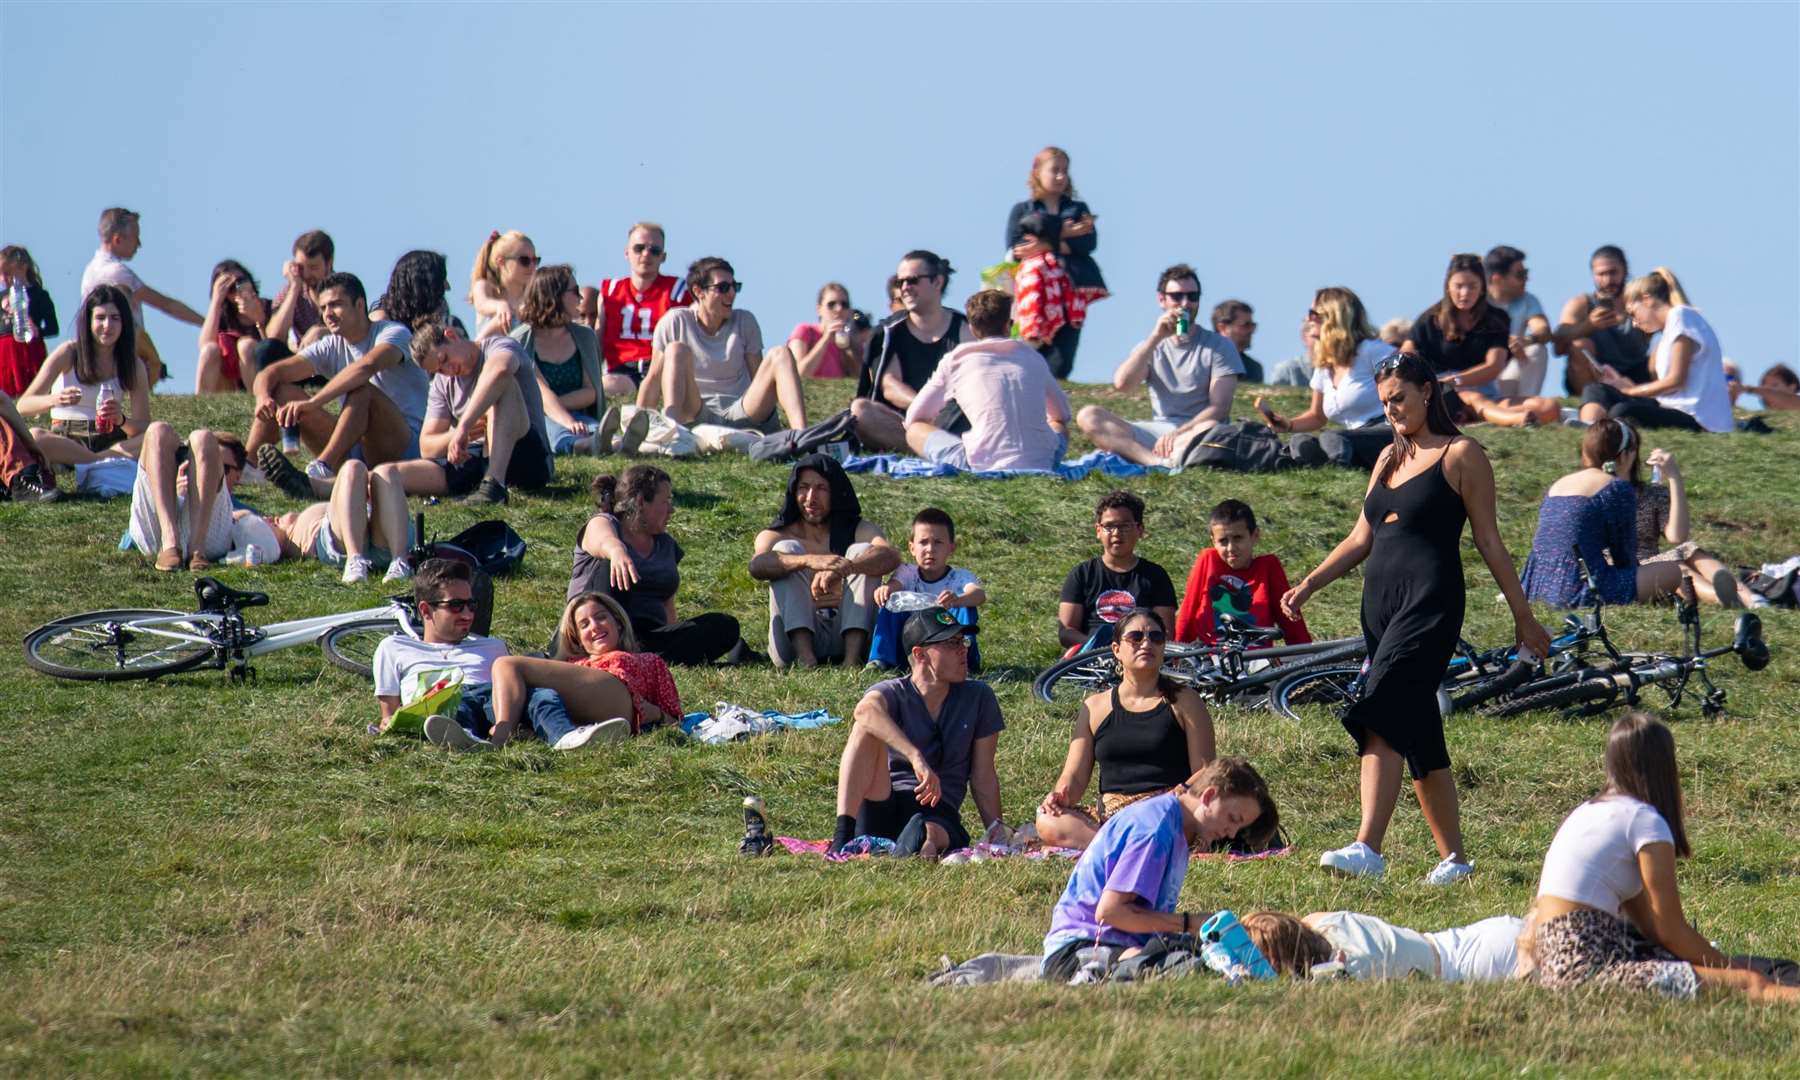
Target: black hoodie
[{"x": 846, "y": 509}]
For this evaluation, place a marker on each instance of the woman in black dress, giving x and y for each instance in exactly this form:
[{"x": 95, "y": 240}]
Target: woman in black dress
[{"x": 1424, "y": 487}]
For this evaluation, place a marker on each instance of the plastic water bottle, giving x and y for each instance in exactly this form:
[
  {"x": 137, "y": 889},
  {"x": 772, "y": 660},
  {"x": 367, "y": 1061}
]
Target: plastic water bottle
[
  {"x": 910, "y": 601},
  {"x": 101, "y": 422},
  {"x": 22, "y": 328},
  {"x": 757, "y": 838}
]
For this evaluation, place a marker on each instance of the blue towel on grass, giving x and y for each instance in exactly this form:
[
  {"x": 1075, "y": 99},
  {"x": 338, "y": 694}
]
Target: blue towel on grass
[{"x": 906, "y": 467}]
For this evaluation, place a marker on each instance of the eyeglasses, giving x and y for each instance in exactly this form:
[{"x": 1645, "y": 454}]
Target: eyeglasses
[
  {"x": 1314, "y": 316},
  {"x": 1180, "y": 297},
  {"x": 836, "y": 305},
  {"x": 1138, "y": 637},
  {"x": 459, "y": 605},
  {"x": 524, "y": 260},
  {"x": 1116, "y": 527},
  {"x": 914, "y": 280},
  {"x": 958, "y": 642},
  {"x": 726, "y": 286},
  {"x": 641, "y": 249}
]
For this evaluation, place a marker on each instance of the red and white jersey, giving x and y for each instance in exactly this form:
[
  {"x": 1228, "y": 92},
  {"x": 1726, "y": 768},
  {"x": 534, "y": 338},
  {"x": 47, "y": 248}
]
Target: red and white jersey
[{"x": 628, "y": 317}]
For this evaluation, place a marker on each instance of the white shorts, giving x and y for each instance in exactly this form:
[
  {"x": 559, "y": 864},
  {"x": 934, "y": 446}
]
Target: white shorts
[
  {"x": 1485, "y": 951},
  {"x": 1149, "y": 431},
  {"x": 147, "y": 537}
]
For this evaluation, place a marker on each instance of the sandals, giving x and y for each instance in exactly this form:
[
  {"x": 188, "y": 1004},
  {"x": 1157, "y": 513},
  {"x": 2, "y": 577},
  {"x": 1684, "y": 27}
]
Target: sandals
[{"x": 168, "y": 560}]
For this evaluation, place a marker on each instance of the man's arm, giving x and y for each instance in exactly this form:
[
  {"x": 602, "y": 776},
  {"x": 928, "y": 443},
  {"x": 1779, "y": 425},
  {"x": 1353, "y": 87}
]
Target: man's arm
[
  {"x": 434, "y": 438},
  {"x": 1131, "y": 374},
  {"x": 373, "y": 362},
  {"x": 872, "y": 716},
  {"x": 881, "y": 559},
  {"x": 984, "y": 780},
  {"x": 168, "y": 305},
  {"x": 929, "y": 401},
  {"x": 894, "y": 389},
  {"x": 767, "y": 564},
  {"x": 1068, "y": 624}
]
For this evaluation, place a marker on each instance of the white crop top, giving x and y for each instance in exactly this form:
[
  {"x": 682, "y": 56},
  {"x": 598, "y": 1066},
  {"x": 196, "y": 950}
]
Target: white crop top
[{"x": 1593, "y": 859}]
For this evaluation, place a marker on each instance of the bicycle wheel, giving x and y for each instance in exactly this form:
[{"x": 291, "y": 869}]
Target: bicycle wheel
[
  {"x": 1591, "y": 695},
  {"x": 1259, "y": 683},
  {"x": 1079, "y": 675},
  {"x": 352, "y": 645},
  {"x": 105, "y": 646},
  {"x": 1328, "y": 687}
]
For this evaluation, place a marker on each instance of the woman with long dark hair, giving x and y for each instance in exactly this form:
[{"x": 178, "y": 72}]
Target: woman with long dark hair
[
  {"x": 416, "y": 290},
  {"x": 1146, "y": 735},
  {"x": 1608, "y": 906},
  {"x": 235, "y": 318},
  {"x": 1425, "y": 486},
  {"x": 83, "y": 383},
  {"x": 1465, "y": 340}
]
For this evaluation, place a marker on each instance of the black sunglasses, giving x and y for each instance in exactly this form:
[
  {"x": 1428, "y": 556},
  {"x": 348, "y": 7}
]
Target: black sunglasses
[
  {"x": 1183, "y": 297},
  {"x": 639, "y": 249},
  {"x": 459, "y": 605},
  {"x": 726, "y": 286},
  {"x": 902, "y": 282},
  {"x": 1138, "y": 637}
]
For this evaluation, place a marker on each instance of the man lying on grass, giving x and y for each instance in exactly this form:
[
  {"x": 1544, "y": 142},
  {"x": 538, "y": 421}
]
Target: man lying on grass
[{"x": 919, "y": 744}]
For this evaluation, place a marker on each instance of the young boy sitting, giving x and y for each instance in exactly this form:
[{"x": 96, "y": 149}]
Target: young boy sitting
[
  {"x": 1230, "y": 578},
  {"x": 930, "y": 574},
  {"x": 1116, "y": 581}
]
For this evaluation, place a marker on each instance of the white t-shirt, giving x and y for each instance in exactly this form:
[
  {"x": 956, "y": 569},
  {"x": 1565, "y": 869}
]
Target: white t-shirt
[
  {"x": 1705, "y": 397},
  {"x": 405, "y": 384},
  {"x": 907, "y": 579},
  {"x": 404, "y": 667},
  {"x": 1353, "y": 401},
  {"x": 105, "y": 268},
  {"x": 1593, "y": 859},
  {"x": 722, "y": 367},
  {"x": 1486, "y": 951},
  {"x": 1371, "y": 948}
]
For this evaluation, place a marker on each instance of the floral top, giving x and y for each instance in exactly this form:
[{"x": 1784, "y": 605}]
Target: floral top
[
  {"x": 1044, "y": 299},
  {"x": 646, "y": 676},
  {"x": 1604, "y": 527}
]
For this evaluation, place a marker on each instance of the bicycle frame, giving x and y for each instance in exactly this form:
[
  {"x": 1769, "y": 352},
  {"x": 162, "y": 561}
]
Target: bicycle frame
[{"x": 231, "y": 639}]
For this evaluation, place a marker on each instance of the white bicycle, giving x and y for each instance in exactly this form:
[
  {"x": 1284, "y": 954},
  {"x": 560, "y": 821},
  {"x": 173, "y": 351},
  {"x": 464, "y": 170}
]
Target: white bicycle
[{"x": 145, "y": 643}]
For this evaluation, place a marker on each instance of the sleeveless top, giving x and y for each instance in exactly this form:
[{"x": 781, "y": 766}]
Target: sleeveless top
[
  {"x": 1140, "y": 751},
  {"x": 90, "y": 396}
]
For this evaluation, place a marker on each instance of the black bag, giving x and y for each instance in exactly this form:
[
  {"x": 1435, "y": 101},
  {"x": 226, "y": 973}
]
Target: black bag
[
  {"x": 487, "y": 547},
  {"x": 788, "y": 445},
  {"x": 1778, "y": 591},
  {"x": 1247, "y": 447}
]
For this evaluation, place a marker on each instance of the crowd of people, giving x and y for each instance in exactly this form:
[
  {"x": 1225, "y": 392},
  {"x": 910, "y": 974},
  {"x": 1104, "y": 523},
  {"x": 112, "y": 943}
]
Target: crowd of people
[{"x": 394, "y": 397}]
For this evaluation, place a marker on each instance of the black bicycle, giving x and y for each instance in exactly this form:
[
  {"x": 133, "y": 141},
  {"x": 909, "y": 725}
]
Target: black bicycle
[{"x": 1239, "y": 668}]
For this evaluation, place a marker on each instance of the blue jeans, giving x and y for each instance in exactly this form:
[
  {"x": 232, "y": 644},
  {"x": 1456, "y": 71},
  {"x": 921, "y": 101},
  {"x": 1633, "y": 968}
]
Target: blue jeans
[
  {"x": 560, "y": 439},
  {"x": 549, "y": 716}
]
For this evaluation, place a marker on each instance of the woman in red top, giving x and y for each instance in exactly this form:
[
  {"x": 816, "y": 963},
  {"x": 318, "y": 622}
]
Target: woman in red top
[
  {"x": 598, "y": 672},
  {"x": 234, "y": 323}
]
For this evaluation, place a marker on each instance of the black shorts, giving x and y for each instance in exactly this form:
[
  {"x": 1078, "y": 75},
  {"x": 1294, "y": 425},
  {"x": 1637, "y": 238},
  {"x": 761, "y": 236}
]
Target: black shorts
[
  {"x": 887, "y": 817},
  {"x": 634, "y": 372},
  {"x": 530, "y": 468}
]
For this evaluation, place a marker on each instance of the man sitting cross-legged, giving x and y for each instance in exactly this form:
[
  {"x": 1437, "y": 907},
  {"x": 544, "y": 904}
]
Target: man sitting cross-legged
[
  {"x": 369, "y": 367},
  {"x": 919, "y": 744},
  {"x": 484, "y": 422},
  {"x": 406, "y": 668}
]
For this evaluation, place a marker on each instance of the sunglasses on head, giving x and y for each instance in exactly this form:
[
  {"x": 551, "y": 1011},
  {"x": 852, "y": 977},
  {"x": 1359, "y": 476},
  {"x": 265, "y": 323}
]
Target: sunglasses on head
[
  {"x": 1138, "y": 637},
  {"x": 1392, "y": 363},
  {"x": 458, "y": 605},
  {"x": 640, "y": 249}
]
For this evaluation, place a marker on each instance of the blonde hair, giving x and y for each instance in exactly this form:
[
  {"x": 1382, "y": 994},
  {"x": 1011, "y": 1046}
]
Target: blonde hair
[
  {"x": 662, "y": 236},
  {"x": 1395, "y": 331},
  {"x": 1658, "y": 284},
  {"x": 496, "y": 247},
  {"x": 1343, "y": 325},
  {"x": 1048, "y": 152},
  {"x": 568, "y": 638},
  {"x": 1290, "y": 946}
]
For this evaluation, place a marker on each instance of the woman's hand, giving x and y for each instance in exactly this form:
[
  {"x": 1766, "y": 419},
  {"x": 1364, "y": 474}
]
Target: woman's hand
[
  {"x": 623, "y": 572},
  {"x": 1055, "y": 804},
  {"x": 68, "y": 396},
  {"x": 1531, "y": 635},
  {"x": 1662, "y": 459},
  {"x": 1273, "y": 418},
  {"x": 110, "y": 412},
  {"x": 1028, "y": 248},
  {"x": 1295, "y": 599},
  {"x": 221, "y": 288},
  {"x": 1081, "y": 226}
]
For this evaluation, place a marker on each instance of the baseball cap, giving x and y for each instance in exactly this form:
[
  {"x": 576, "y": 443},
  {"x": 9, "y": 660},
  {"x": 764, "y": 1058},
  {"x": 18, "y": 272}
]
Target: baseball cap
[{"x": 930, "y": 626}]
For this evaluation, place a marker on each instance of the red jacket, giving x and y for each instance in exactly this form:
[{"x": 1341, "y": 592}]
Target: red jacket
[{"x": 1253, "y": 593}]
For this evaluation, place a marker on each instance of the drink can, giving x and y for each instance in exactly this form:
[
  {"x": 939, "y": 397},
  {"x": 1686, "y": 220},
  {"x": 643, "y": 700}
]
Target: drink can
[
  {"x": 1656, "y": 474},
  {"x": 1181, "y": 322}
]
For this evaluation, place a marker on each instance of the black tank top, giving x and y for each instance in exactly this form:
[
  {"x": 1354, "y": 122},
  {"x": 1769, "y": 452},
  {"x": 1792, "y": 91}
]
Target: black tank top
[
  {"x": 1624, "y": 348},
  {"x": 1140, "y": 751}
]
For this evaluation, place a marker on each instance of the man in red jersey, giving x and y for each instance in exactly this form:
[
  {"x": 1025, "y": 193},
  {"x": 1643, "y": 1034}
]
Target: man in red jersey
[{"x": 624, "y": 311}]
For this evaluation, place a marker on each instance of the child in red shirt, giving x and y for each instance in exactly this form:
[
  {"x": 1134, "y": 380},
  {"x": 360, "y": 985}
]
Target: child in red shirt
[{"x": 1230, "y": 578}]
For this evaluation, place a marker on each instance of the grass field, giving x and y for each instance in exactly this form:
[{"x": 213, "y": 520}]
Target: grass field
[{"x": 197, "y": 878}]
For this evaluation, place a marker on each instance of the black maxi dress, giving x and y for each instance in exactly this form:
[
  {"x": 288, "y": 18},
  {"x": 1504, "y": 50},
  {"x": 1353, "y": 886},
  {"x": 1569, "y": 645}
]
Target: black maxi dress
[{"x": 1412, "y": 614}]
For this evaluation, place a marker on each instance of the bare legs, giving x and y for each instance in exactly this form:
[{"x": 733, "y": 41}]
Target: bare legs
[
  {"x": 669, "y": 385},
  {"x": 204, "y": 486},
  {"x": 1381, "y": 768},
  {"x": 591, "y": 696},
  {"x": 878, "y": 427},
  {"x": 863, "y": 776},
  {"x": 1069, "y": 829},
  {"x": 1109, "y": 431}
]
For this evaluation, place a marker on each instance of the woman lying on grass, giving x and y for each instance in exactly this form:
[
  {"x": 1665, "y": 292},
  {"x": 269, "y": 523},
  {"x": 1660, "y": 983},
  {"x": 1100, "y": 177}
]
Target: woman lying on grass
[
  {"x": 1371, "y": 948},
  {"x": 1608, "y": 908},
  {"x": 605, "y": 682},
  {"x": 1147, "y": 735}
]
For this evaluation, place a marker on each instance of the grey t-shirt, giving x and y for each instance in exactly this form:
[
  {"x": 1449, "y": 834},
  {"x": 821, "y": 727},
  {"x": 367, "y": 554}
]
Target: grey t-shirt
[
  {"x": 658, "y": 578},
  {"x": 1182, "y": 371},
  {"x": 969, "y": 713},
  {"x": 723, "y": 370},
  {"x": 1520, "y": 311},
  {"x": 405, "y": 383},
  {"x": 449, "y": 396}
]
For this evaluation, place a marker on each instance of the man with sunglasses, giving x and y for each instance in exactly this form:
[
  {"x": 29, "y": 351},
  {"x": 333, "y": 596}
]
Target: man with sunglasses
[
  {"x": 1529, "y": 342},
  {"x": 1236, "y": 320},
  {"x": 1192, "y": 378},
  {"x": 407, "y": 668},
  {"x": 905, "y": 351},
  {"x": 624, "y": 311},
  {"x": 919, "y": 744},
  {"x": 707, "y": 362}
]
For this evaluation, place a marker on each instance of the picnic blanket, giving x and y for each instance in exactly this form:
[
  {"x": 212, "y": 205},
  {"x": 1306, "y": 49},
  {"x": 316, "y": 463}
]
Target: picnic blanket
[
  {"x": 863, "y": 847},
  {"x": 731, "y": 723},
  {"x": 906, "y": 467}
]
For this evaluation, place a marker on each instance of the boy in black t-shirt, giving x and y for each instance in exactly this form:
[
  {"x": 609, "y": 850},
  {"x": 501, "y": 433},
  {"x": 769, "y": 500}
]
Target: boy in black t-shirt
[{"x": 1116, "y": 581}]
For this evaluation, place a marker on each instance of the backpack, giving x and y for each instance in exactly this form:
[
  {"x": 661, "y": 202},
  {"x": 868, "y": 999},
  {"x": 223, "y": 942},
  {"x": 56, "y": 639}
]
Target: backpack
[
  {"x": 788, "y": 445},
  {"x": 1245, "y": 447},
  {"x": 487, "y": 547}
]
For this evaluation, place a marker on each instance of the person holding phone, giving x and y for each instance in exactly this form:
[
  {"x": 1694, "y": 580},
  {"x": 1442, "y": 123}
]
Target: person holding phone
[
  {"x": 1593, "y": 329},
  {"x": 235, "y": 318}
]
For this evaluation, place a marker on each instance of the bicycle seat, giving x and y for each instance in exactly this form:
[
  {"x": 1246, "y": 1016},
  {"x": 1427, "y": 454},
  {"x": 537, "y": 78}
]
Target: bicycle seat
[
  {"x": 1249, "y": 632},
  {"x": 215, "y": 595}
]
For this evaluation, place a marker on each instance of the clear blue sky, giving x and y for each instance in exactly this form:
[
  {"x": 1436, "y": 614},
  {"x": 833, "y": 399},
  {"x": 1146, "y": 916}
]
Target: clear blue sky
[{"x": 1277, "y": 147}]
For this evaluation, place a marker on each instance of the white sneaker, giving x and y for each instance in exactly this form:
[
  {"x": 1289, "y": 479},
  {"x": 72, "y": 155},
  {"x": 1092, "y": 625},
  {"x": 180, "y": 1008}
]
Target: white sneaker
[
  {"x": 318, "y": 470},
  {"x": 1449, "y": 870},
  {"x": 398, "y": 570},
  {"x": 444, "y": 731},
  {"x": 356, "y": 570},
  {"x": 618, "y": 729},
  {"x": 1355, "y": 860},
  {"x": 636, "y": 429}
]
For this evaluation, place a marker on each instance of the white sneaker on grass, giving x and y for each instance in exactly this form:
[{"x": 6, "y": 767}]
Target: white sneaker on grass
[
  {"x": 1450, "y": 870},
  {"x": 318, "y": 470},
  {"x": 444, "y": 731},
  {"x": 356, "y": 569},
  {"x": 618, "y": 729},
  {"x": 1355, "y": 860},
  {"x": 398, "y": 570}
]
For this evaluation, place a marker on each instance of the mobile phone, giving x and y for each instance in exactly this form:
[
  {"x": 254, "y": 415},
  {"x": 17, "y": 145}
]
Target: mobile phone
[{"x": 1267, "y": 413}]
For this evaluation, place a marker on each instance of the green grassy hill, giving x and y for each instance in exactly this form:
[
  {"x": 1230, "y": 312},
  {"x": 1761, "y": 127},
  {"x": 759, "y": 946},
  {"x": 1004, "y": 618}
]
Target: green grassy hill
[{"x": 202, "y": 878}]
